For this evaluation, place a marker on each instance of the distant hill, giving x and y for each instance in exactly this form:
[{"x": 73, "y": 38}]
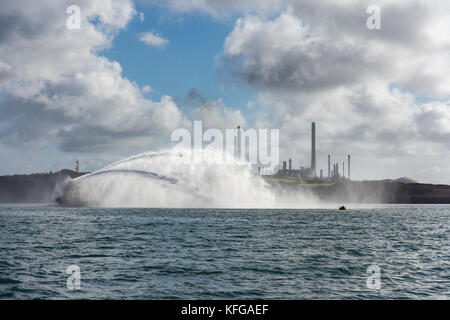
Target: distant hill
[
  {"x": 403, "y": 180},
  {"x": 407, "y": 180},
  {"x": 33, "y": 188}
]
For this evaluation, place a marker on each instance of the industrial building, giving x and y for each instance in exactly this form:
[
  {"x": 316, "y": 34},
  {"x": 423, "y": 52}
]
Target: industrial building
[{"x": 334, "y": 173}]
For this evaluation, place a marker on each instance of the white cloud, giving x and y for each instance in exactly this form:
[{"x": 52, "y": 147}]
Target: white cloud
[
  {"x": 57, "y": 89},
  {"x": 290, "y": 52},
  {"x": 152, "y": 39},
  {"x": 146, "y": 89}
]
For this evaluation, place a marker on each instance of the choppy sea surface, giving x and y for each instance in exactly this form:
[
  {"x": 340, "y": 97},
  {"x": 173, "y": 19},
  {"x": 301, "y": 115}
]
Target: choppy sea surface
[{"x": 225, "y": 254}]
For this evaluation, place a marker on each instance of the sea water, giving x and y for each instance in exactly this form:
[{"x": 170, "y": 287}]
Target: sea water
[{"x": 225, "y": 253}]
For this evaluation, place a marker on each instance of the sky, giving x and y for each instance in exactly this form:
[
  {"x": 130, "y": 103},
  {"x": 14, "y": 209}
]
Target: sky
[{"x": 137, "y": 70}]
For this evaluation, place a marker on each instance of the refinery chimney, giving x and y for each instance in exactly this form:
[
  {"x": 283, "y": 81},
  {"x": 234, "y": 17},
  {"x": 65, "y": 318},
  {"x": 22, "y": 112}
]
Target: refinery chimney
[
  {"x": 313, "y": 149},
  {"x": 348, "y": 166},
  {"x": 329, "y": 176},
  {"x": 290, "y": 164}
]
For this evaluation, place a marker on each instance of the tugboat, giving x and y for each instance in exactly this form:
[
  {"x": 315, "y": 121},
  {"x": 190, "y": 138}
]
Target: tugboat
[{"x": 342, "y": 208}]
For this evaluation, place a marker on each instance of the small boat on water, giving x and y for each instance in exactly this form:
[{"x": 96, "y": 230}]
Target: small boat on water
[{"x": 342, "y": 208}]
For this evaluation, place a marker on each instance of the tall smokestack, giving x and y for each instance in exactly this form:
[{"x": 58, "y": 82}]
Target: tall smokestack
[
  {"x": 329, "y": 176},
  {"x": 290, "y": 164},
  {"x": 313, "y": 149},
  {"x": 239, "y": 141},
  {"x": 348, "y": 166},
  {"x": 343, "y": 169}
]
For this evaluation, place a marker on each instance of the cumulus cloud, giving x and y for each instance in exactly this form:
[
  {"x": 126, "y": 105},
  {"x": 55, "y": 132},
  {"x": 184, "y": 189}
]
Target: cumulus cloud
[
  {"x": 290, "y": 52},
  {"x": 154, "y": 40},
  {"x": 57, "y": 88},
  {"x": 59, "y": 95}
]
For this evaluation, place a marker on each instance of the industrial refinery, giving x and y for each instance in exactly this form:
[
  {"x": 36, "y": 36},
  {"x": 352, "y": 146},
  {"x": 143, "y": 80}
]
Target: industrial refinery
[{"x": 336, "y": 171}]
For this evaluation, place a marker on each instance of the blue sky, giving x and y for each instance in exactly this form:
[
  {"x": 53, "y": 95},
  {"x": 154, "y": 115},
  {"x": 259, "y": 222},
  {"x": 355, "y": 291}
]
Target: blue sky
[{"x": 187, "y": 62}]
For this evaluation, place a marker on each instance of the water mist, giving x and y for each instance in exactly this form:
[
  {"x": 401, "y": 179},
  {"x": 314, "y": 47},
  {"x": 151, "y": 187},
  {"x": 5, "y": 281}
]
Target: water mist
[{"x": 171, "y": 180}]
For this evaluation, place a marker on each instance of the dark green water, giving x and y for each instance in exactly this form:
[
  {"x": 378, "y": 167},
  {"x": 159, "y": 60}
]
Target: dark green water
[{"x": 224, "y": 254}]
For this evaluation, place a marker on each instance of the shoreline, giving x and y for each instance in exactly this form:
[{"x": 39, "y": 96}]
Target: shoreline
[{"x": 42, "y": 188}]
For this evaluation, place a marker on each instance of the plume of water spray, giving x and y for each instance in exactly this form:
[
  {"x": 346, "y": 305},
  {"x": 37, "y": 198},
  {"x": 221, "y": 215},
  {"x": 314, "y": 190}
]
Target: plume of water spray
[{"x": 171, "y": 180}]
